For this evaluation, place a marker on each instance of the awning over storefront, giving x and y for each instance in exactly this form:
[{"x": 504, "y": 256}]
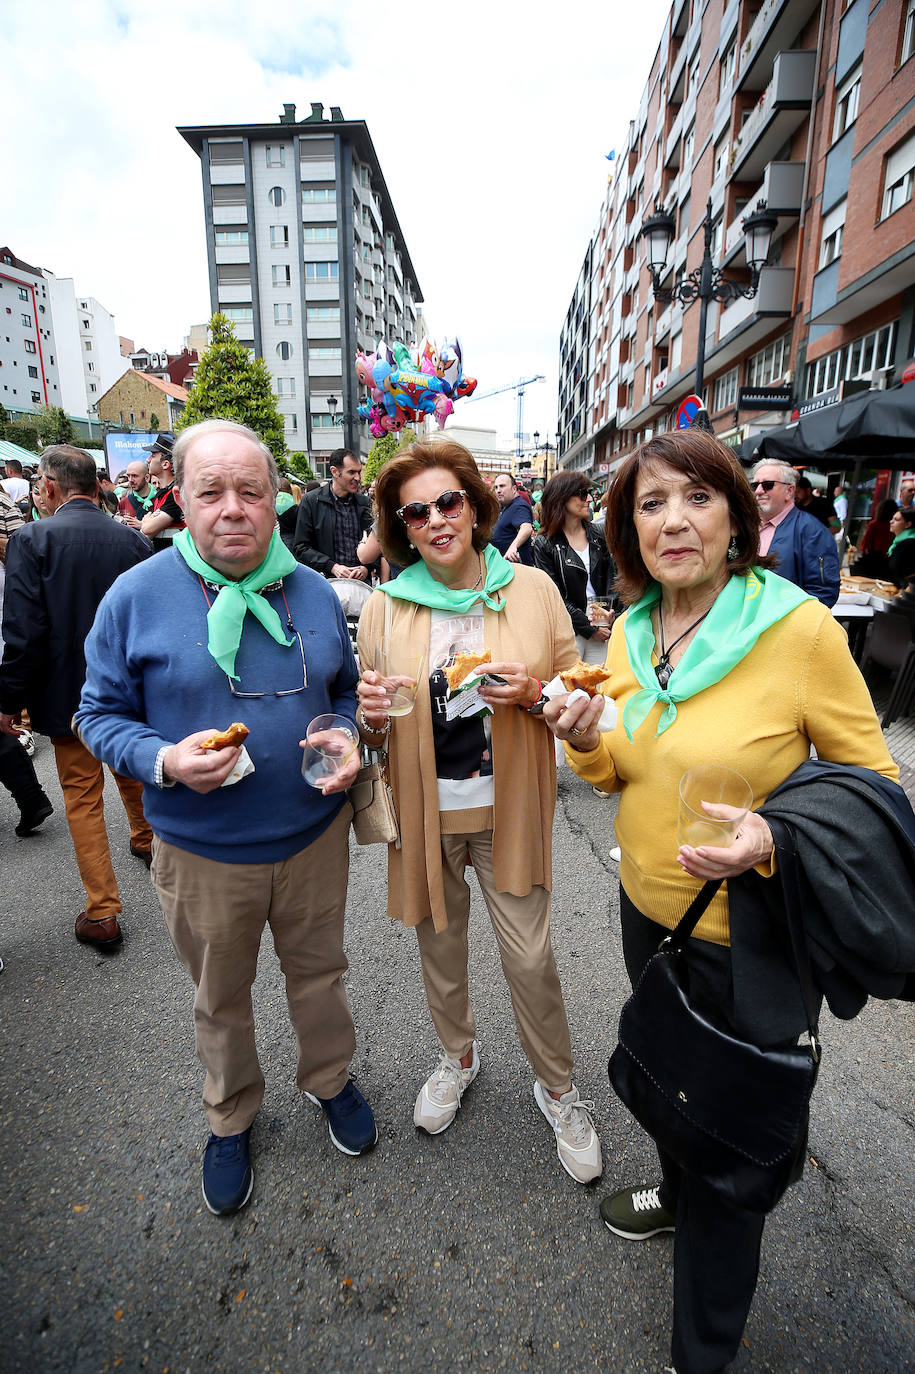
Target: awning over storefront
[{"x": 876, "y": 428}]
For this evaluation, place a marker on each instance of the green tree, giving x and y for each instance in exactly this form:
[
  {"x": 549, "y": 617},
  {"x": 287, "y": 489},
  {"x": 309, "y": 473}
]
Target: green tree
[
  {"x": 153, "y": 422},
  {"x": 54, "y": 425},
  {"x": 383, "y": 450},
  {"x": 23, "y": 434},
  {"x": 231, "y": 385},
  {"x": 299, "y": 466},
  {"x": 4, "y": 418}
]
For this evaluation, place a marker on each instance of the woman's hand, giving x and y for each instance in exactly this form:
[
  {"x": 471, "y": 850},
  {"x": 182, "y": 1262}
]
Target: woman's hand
[
  {"x": 374, "y": 701},
  {"x": 575, "y": 722},
  {"x": 520, "y": 688},
  {"x": 753, "y": 845}
]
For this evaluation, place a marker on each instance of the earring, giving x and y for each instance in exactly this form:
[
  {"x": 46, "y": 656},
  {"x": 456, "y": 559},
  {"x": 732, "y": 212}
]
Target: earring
[
  {"x": 475, "y": 524},
  {"x": 733, "y": 551}
]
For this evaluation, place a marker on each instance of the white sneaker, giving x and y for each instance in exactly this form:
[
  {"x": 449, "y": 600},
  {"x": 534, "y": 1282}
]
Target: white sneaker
[
  {"x": 27, "y": 740},
  {"x": 440, "y": 1096},
  {"x": 576, "y": 1139}
]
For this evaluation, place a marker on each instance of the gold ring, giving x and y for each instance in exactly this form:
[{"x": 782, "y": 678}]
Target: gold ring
[{"x": 573, "y": 731}]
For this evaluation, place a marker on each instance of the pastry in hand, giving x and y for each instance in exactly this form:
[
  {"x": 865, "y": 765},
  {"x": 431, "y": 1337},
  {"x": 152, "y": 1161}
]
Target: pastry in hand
[
  {"x": 584, "y": 676},
  {"x": 231, "y": 738},
  {"x": 463, "y": 666}
]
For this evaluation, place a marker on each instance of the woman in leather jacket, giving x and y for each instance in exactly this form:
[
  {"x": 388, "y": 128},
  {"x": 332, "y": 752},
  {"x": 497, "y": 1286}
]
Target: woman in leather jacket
[{"x": 573, "y": 553}]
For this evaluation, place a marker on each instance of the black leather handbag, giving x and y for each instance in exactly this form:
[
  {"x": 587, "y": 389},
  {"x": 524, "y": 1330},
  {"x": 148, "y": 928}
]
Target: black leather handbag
[{"x": 726, "y": 1110}]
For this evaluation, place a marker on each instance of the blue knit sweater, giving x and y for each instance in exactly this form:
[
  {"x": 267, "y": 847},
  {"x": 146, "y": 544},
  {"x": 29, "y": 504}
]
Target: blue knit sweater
[{"x": 150, "y": 681}]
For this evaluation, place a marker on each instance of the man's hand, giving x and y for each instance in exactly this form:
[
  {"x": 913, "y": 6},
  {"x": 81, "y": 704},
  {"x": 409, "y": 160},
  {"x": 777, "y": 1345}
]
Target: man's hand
[
  {"x": 354, "y": 574},
  {"x": 11, "y": 724},
  {"x": 202, "y": 770},
  {"x": 339, "y": 782},
  {"x": 132, "y": 521}
]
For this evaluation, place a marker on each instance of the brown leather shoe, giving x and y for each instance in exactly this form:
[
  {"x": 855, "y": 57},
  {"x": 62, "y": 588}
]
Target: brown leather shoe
[
  {"x": 140, "y": 852},
  {"x": 105, "y": 932}
]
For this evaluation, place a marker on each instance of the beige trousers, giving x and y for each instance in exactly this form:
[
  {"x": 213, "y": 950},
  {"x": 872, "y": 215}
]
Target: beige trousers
[
  {"x": 215, "y": 914},
  {"x": 522, "y": 929}
]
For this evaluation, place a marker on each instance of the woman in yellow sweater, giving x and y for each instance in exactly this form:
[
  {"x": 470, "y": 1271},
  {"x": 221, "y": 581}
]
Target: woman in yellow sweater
[{"x": 717, "y": 660}]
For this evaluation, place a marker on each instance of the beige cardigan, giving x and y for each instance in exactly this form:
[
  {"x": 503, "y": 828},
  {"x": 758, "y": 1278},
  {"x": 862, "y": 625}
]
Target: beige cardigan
[{"x": 533, "y": 628}]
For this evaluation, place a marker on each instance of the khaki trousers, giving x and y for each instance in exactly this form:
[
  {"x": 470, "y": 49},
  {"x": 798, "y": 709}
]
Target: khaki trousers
[
  {"x": 215, "y": 914},
  {"x": 522, "y": 929},
  {"x": 82, "y": 779}
]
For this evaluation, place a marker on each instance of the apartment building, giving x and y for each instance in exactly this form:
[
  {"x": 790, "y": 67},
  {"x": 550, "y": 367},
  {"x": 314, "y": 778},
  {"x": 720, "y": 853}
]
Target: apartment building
[
  {"x": 808, "y": 106},
  {"x": 89, "y": 347},
  {"x": 29, "y": 376},
  {"x": 307, "y": 258}
]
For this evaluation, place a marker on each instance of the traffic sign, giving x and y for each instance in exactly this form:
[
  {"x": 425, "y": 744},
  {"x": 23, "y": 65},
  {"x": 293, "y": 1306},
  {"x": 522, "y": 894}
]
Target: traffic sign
[{"x": 688, "y": 411}]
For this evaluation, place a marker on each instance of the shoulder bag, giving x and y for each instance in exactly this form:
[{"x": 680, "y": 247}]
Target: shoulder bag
[{"x": 726, "y": 1110}]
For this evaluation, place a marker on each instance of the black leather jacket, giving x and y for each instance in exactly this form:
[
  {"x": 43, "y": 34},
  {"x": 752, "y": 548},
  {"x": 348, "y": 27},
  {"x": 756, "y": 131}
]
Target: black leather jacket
[{"x": 563, "y": 565}]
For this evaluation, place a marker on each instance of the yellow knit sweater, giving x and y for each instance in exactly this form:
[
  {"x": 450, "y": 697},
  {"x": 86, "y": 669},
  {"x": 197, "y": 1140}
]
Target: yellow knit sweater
[{"x": 797, "y": 686}]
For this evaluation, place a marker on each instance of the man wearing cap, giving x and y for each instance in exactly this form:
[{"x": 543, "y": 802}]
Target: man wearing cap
[
  {"x": 165, "y": 519},
  {"x": 138, "y": 499}
]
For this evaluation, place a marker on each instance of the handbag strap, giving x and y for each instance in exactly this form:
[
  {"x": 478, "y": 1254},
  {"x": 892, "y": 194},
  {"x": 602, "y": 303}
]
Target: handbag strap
[
  {"x": 691, "y": 917},
  {"x": 381, "y": 751}
]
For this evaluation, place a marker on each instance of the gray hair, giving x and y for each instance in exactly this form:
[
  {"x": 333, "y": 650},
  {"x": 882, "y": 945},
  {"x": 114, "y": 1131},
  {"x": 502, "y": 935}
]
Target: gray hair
[
  {"x": 786, "y": 473},
  {"x": 189, "y": 436},
  {"x": 72, "y": 469}
]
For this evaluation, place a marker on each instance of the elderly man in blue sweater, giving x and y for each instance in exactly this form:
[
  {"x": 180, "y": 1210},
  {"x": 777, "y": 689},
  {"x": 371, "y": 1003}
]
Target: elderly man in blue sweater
[{"x": 227, "y": 626}]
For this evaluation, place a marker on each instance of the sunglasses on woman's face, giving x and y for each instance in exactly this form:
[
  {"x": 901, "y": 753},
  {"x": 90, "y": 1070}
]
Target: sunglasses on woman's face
[{"x": 415, "y": 514}]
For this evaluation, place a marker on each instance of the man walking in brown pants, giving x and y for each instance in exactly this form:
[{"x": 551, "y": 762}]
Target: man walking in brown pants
[{"x": 57, "y": 572}]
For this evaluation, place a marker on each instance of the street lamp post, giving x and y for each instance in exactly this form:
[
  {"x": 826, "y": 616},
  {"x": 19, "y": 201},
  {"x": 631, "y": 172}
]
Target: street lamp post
[
  {"x": 706, "y": 282},
  {"x": 547, "y": 448}
]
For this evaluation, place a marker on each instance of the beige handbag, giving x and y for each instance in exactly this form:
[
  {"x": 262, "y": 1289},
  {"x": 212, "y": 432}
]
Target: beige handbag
[{"x": 374, "y": 817}]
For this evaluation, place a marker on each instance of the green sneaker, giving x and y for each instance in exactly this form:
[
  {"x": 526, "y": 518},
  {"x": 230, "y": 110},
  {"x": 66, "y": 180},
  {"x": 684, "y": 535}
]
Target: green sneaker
[{"x": 636, "y": 1214}]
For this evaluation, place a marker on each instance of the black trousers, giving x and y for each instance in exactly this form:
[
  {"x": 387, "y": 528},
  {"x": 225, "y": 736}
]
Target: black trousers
[{"x": 716, "y": 1245}]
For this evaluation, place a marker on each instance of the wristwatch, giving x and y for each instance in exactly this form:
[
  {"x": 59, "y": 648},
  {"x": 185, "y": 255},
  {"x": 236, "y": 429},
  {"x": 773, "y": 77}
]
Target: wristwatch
[{"x": 537, "y": 708}]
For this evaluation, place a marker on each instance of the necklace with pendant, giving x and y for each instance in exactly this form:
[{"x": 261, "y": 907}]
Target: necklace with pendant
[{"x": 664, "y": 669}]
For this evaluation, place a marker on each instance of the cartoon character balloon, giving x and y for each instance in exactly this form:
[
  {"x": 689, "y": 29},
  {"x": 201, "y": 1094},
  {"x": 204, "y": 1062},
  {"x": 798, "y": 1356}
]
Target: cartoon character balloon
[{"x": 403, "y": 386}]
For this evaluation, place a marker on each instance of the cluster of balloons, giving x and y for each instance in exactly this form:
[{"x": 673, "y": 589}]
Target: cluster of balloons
[{"x": 404, "y": 386}]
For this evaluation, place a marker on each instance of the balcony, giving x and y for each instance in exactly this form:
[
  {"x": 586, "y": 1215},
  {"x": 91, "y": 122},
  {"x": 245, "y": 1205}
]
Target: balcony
[
  {"x": 675, "y": 81},
  {"x": 672, "y": 142},
  {"x": 778, "y": 23},
  {"x": 659, "y": 382},
  {"x": 662, "y": 326},
  {"x": 782, "y": 108},
  {"x": 781, "y": 188}
]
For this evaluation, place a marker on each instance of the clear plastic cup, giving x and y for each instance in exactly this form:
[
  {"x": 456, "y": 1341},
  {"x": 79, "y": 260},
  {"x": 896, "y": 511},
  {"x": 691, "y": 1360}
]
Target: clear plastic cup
[
  {"x": 710, "y": 782},
  {"x": 329, "y": 744},
  {"x": 399, "y": 670}
]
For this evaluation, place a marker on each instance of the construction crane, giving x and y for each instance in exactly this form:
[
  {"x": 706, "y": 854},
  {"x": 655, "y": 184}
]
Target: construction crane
[{"x": 512, "y": 386}]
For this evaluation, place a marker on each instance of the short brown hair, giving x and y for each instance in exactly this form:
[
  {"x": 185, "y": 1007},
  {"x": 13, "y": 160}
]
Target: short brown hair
[
  {"x": 702, "y": 458},
  {"x": 417, "y": 458}
]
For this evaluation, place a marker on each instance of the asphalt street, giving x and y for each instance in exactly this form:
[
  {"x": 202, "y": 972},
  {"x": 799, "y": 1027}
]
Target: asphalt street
[{"x": 470, "y": 1251}]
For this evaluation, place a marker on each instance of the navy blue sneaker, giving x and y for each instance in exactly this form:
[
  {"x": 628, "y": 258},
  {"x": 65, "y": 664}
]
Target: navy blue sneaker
[
  {"x": 349, "y": 1119},
  {"x": 227, "y": 1174}
]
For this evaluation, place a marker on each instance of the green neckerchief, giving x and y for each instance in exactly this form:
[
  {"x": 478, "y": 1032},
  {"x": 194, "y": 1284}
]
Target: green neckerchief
[
  {"x": 416, "y": 583},
  {"x": 742, "y": 610},
  {"x": 283, "y": 501},
  {"x": 907, "y": 533},
  {"x": 226, "y": 616}
]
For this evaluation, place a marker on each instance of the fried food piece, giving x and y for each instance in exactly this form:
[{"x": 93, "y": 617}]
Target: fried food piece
[
  {"x": 587, "y": 676},
  {"x": 231, "y": 738},
  {"x": 463, "y": 666}
]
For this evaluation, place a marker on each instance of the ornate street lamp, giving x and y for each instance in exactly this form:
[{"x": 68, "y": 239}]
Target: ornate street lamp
[{"x": 706, "y": 282}]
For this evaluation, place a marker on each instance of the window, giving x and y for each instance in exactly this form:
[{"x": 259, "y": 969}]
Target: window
[
  {"x": 279, "y": 236},
  {"x": 897, "y": 181},
  {"x": 90, "y": 367},
  {"x": 319, "y": 195},
  {"x": 225, "y": 152},
  {"x": 722, "y": 150},
  {"x": 908, "y": 33},
  {"x": 282, "y": 313},
  {"x": 770, "y": 363},
  {"x": 322, "y": 421},
  {"x": 726, "y": 390},
  {"x": 23, "y": 293},
  {"x": 831, "y": 236},
  {"x": 30, "y": 347},
  {"x": 131, "y": 418},
  {"x": 33, "y": 372},
  {"x": 322, "y": 271},
  {"x": 726, "y": 70},
  {"x": 280, "y": 274},
  {"x": 228, "y": 195},
  {"x": 284, "y": 351},
  {"x": 320, "y": 233},
  {"x": 238, "y": 313},
  {"x": 85, "y": 324},
  {"x": 276, "y": 196},
  {"x": 285, "y": 386},
  {"x": 92, "y": 386},
  {"x": 292, "y": 423},
  {"x": 689, "y": 145},
  {"x": 87, "y": 345},
  {"x": 228, "y": 237},
  {"x": 324, "y": 351},
  {"x": 27, "y": 321},
  {"x": 323, "y": 312},
  {"x": 276, "y": 155},
  {"x": 36, "y": 397},
  {"x": 693, "y": 79},
  {"x": 860, "y": 359},
  {"x": 847, "y": 103}
]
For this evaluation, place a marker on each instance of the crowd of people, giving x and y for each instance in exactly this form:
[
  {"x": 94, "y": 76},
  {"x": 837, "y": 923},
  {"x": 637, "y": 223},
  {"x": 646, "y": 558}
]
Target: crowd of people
[{"x": 204, "y": 590}]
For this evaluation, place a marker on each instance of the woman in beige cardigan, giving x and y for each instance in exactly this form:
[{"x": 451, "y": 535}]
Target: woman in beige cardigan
[{"x": 480, "y": 782}]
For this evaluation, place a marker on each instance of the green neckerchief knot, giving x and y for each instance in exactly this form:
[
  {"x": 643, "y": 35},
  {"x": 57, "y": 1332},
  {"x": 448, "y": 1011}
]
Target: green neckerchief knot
[
  {"x": 743, "y": 609},
  {"x": 226, "y": 616},
  {"x": 416, "y": 583},
  {"x": 907, "y": 533}
]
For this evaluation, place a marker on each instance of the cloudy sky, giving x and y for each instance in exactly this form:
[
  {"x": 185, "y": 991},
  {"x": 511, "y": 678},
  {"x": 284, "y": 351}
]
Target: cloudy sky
[{"x": 491, "y": 122}]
